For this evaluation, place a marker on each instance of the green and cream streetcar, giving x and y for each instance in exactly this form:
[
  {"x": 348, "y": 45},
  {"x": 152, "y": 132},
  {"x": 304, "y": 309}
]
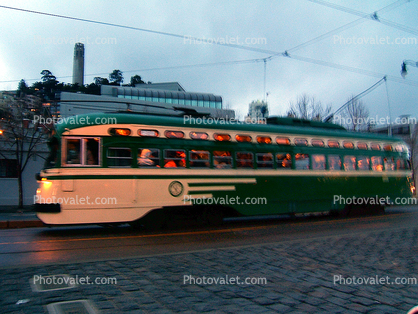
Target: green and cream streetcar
[{"x": 127, "y": 167}]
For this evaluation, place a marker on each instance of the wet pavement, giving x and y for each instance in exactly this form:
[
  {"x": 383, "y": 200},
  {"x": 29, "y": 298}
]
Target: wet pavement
[{"x": 368, "y": 272}]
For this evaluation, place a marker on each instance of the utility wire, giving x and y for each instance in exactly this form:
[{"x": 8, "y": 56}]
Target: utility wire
[
  {"x": 359, "y": 13},
  {"x": 363, "y": 17},
  {"x": 352, "y": 69},
  {"x": 373, "y": 16},
  {"x": 273, "y": 53},
  {"x": 290, "y": 56},
  {"x": 184, "y": 37}
]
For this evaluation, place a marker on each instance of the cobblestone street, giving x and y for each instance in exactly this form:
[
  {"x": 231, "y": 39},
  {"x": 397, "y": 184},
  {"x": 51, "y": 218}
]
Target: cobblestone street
[{"x": 300, "y": 278}]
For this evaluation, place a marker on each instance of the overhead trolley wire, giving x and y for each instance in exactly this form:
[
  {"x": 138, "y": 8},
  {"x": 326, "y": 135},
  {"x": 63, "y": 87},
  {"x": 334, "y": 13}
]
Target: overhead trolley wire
[
  {"x": 220, "y": 43},
  {"x": 353, "y": 69},
  {"x": 373, "y": 16},
  {"x": 272, "y": 53},
  {"x": 363, "y": 18}
]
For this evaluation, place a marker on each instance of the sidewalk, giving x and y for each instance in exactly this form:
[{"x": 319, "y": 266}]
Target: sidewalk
[{"x": 13, "y": 217}]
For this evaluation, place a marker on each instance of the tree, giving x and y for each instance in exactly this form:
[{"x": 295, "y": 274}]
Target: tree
[
  {"x": 47, "y": 87},
  {"x": 47, "y": 77},
  {"x": 92, "y": 89},
  {"x": 22, "y": 89},
  {"x": 20, "y": 137},
  {"x": 308, "y": 108},
  {"x": 136, "y": 79},
  {"x": 101, "y": 81},
  {"x": 116, "y": 77},
  {"x": 356, "y": 115}
]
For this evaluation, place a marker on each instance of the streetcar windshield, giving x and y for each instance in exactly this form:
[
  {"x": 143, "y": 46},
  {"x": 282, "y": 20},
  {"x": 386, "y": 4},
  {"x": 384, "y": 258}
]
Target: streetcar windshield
[{"x": 52, "y": 159}]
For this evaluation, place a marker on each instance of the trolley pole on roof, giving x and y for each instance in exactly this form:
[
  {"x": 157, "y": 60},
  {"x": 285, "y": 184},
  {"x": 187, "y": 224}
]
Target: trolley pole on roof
[
  {"x": 390, "y": 114},
  {"x": 265, "y": 94},
  {"x": 265, "y": 76}
]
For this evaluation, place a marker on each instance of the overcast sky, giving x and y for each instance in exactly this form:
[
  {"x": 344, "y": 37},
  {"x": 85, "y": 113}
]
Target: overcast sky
[{"x": 30, "y": 43}]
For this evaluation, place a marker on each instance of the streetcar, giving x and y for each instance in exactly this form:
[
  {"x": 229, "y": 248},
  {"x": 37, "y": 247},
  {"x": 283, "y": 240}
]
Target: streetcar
[{"x": 111, "y": 168}]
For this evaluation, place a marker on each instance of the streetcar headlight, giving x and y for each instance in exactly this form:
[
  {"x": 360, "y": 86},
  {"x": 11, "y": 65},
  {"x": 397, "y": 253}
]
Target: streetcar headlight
[{"x": 46, "y": 183}]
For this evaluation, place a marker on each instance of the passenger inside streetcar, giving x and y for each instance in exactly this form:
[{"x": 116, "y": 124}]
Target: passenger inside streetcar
[
  {"x": 145, "y": 158},
  {"x": 175, "y": 159},
  {"x": 222, "y": 159},
  {"x": 73, "y": 152}
]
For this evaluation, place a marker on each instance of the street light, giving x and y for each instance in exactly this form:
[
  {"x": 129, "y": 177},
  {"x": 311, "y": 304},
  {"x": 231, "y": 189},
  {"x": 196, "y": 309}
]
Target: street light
[{"x": 404, "y": 71}]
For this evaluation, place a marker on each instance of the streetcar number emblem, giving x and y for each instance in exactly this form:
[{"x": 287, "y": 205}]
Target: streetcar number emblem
[{"x": 175, "y": 188}]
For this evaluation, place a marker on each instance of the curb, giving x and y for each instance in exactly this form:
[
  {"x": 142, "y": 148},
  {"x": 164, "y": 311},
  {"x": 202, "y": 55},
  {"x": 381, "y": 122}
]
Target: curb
[{"x": 16, "y": 224}]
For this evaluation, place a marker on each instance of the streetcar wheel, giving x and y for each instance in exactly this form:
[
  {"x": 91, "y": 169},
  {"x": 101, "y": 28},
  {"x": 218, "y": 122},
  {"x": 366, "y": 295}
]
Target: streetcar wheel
[
  {"x": 362, "y": 210},
  {"x": 375, "y": 209},
  {"x": 136, "y": 224},
  {"x": 155, "y": 220},
  {"x": 111, "y": 225},
  {"x": 214, "y": 216},
  {"x": 346, "y": 212}
]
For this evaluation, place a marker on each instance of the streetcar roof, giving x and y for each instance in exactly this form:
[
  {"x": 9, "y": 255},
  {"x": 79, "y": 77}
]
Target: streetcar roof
[{"x": 275, "y": 125}]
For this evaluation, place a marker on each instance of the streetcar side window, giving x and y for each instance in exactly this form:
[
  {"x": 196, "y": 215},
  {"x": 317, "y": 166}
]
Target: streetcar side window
[
  {"x": 73, "y": 151},
  {"x": 91, "y": 151},
  {"x": 348, "y": 145},
  {"x": 363, "y": 163},
  {"x": 265, "y": 160},
  {"x": 361, "y": 145},
  {"x": 282, "y": 141},
  {"x": 53, "y": 145},
  {"x": 81, "y": 152},
  {"x": 284, "y": 160},
  {"x": 264, "y": 139},
  {"x": 148, "y": 157},
  {"x": 199, "y": 159},
  {"x": 389, "y": 164},
  {"x": 245, "y": 160},
  {"x": 301, "y": 142},
  {"x": 375, "y": 146},
  {"x": 334, "y": 162},
  {"x": 333, "y": 144},
  {"x": 198, "y": 136},
  {"x": 119, "y": 157},
  {"x": 302, "y": 161},
  {"x": 349, "y": 163},
  {"x": 377, "y": 164},
  {"x": 174, "y": 158},
  {"x": 400, "y": 164},
  {"x": 318, "y": 162},
  {"x": 222, "y": 159},
  {"x": 317, "y": 143}
]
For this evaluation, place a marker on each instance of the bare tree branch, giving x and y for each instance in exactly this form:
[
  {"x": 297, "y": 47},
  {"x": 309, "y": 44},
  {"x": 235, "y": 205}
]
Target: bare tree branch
[
  {"x": 308, "y": 108},
  {"x": 356, "y": 115},
  {"x": 20, "y": 138}
]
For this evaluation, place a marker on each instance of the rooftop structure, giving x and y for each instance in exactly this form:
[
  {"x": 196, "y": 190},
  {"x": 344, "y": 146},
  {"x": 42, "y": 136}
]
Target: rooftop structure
[{"x": 160, "y": 98}]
